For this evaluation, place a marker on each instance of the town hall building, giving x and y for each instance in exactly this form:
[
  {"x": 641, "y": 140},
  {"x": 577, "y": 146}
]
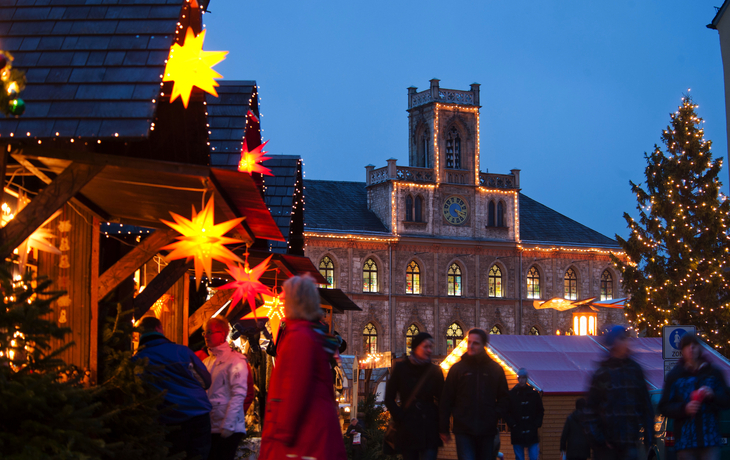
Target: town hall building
[{"x": 440, "y": 247}]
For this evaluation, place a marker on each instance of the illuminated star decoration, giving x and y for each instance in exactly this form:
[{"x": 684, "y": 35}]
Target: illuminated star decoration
[
  {"x": 188, "y": 66},
  {"x": 250, "y": 160},
  {"x": 273, "y": 308},
  {"x": 246, "y": 283},
  {"x": 202, "y": 240}
]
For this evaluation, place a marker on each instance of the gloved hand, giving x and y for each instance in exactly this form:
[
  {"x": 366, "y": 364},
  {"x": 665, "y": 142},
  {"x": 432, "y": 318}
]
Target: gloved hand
[{"x": 225, "y": 433}]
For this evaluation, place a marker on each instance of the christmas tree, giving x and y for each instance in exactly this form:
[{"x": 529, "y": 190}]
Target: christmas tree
[{"x": 678, "y": 248}]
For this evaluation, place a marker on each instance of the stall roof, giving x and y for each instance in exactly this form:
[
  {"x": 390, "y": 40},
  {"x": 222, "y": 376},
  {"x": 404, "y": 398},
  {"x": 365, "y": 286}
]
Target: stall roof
[
  {"x": 141, "y": 192},
  {"x": 338, "y": 300},
  {"x": 564, "y": 364}
]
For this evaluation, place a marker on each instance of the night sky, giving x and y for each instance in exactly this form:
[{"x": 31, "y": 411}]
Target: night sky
[{"x": 573, "y": 92}]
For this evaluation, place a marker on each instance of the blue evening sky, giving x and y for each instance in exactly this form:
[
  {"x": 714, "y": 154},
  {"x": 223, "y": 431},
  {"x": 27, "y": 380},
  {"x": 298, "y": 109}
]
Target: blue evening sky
[{"x": 573, "y": 92}]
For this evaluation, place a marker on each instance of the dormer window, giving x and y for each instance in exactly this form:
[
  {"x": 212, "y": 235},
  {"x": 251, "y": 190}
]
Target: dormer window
[{"x": 453, "y": 149}]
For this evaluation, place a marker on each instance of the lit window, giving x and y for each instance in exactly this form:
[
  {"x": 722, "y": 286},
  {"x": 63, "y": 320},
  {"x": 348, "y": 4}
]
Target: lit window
[
  {"x": 413, "y": 278},
  {"x": 454, "y": 336},
  {"x": 419, "y": 209},
  {"x": 409, "y": 208},
  {"x": 410, "y": 333},
  {"x": 495, "y": 282},
  {"x": 327, "y": 269},
  {"x": 370, "y": 339},
  {"x": 454, "y": 280},
  {"x": 533, "y": 283},
  {"x": 453, "y": 149},
  {"x": 606, "y": 285},
  {"x": 496, "y": 330},
  {"x": 534, "y": 331},
  {"x": 571, "y": 285},
  {"x": 370, "y": 276}
]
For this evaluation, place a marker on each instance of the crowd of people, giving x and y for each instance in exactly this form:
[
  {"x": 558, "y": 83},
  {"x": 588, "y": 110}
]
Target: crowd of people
[{"x": 204, "y": 400}]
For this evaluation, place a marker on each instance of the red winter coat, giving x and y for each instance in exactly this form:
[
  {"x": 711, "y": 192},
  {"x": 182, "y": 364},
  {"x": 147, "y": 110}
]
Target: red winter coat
[{"x": 301, "y": 413}]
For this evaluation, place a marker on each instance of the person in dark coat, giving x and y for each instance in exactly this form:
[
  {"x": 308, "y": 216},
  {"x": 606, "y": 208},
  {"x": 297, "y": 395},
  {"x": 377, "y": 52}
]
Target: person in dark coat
[
  {"x": 356, "y": 435},
  {"x": 618, "y": 405},
  {"x": 573, "y": 442},
  {"x": 476, "y": 395},
  {"x": 178, "y": 371},
  {"x": 524, "y": 417},
  {"x": 417, "y": 426},
  {"x": 694, "y": 394}
]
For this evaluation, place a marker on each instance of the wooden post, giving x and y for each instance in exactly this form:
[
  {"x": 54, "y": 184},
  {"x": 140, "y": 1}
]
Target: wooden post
[
  {"x": 159, "y": 285},
  {"x": 126, "y": 266},
  {"x": 94, "y": 301},
  {"x": 48, "y": 201}
]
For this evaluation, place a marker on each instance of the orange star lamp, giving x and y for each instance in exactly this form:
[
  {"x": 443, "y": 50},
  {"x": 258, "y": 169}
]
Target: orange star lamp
[
  {"x": 250, "y": 160},
  {"x": 202, "y": 240},
  {"x": 188, "y": 66}
]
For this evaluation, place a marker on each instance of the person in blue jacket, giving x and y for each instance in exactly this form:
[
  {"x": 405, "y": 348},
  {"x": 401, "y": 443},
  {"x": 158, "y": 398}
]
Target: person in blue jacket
[
  {"x": 176, "y": 369},
  {"x": 694, "y": 394}
]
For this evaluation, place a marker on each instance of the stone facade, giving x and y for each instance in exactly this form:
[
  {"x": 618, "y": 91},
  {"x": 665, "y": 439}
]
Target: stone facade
[{"x": 468, "y": 232}]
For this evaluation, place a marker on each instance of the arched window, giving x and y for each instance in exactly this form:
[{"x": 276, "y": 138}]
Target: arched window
[
  {"x": 454, "y": 336},
  {"x": 418, "y": 208},
  {"x": 422, "y": 149},
  {"x": 453, "y": 149},
  {"x": 327, "y": 269},
  {"x": 410, "y": 333},
  {"x": 490, "y": 214},
  {"x": 409, "y": 208},
  {"x": 533, "y": 283},
  {"x": 454, "y": 280},
  {"x": 413, "y": 278},
  {"x": 571, "y": 285},
  {"x": 370, "y": 339},
  {"x": 534, "y": 331},
  {"x": 496, "y": 330},
  {"x": 606, "y": 285},
  {"x": 495, "y": 282},
  {"x": 370, "y": 276},
  {"x": 500, "y": 214}
]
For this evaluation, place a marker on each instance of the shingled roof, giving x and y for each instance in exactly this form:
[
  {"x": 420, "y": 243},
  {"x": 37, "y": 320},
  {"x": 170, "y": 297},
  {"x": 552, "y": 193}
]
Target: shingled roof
[
  {"x": 227, "y": 120},
  {"x": 342, "y": 206},
  {"x": 339, "y": 206},
  {"x": 279, "y": 194},
  {"x": 93, "y": 67}
]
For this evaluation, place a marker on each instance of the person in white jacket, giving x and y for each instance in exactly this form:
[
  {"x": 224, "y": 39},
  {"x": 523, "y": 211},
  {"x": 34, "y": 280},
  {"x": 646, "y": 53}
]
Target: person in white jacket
[{"x": 229, "y": 373}]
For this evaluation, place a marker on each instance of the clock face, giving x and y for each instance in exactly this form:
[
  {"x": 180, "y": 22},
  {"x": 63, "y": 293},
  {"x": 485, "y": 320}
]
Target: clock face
[{"x": 455, "y": 210}]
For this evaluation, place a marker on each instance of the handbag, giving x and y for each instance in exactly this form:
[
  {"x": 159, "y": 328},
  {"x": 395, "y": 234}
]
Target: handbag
[{"x": 391, "y": 432}]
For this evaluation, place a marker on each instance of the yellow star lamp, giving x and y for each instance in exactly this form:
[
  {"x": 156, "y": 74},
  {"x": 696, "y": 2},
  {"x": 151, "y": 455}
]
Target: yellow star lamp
[
  {"x": 246, "y": 283},
  {"x": 250, "y": 160},
  {"x": 202, "y": 240},
  {"x": 188, "y": 66},
  {"x": 273, "y": 308}
]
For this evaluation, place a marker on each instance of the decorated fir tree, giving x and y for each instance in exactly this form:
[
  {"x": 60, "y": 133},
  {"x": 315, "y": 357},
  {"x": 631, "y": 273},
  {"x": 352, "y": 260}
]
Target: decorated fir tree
[{"x": 678, "y": 248}]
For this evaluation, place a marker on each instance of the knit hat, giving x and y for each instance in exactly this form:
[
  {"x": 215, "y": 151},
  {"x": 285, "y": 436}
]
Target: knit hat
[
  {"x": 522, "y": 372},
  {"x": 420, "y": 337},
  {"x": 613, "y": 335},
  {"x": 688, "y": 339}
]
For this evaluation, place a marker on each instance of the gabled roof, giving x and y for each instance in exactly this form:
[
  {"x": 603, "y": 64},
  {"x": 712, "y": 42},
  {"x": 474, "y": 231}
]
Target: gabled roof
[
  {"x": 93, "y": 67},
  {"x": 540, "y": 224},
  {"x": 339, "y": 206},
  {"x": 227, "y": 120},
  {"x": 279, "y": 193}
]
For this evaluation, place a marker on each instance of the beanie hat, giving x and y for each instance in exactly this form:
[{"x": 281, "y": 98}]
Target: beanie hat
[
  {"x": 688, "y": 339},
  {"x": 522, "y": 372},
  {"x": 613, "y": 335},
  {"x": 420, "y": 337}
]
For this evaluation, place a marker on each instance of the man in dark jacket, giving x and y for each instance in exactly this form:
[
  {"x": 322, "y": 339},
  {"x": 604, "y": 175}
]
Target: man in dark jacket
[
  {"x": 476, "y": 395},
  {"x": 694, "y": 394},
  {"x": 356, "y": 434},
  {"x": 524, "y": 417},
  {"x": 618, "y": 403},
  {"x": 176, "y": 369},
  {"x": 573, "y": 442}
]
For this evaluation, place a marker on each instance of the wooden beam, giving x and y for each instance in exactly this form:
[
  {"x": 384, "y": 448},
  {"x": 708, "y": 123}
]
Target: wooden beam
[
  {"x": 159, "y": 285},
  {"x": 48, "y": 201},
  {"x": 94, "y": 301},
  {"x": 127, "y": 265},
  {"x": 208, "y": 309}
]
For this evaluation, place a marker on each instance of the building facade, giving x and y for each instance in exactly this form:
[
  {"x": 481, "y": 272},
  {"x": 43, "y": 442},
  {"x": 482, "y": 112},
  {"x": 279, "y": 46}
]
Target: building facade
[{"x": 440, "y": 246}]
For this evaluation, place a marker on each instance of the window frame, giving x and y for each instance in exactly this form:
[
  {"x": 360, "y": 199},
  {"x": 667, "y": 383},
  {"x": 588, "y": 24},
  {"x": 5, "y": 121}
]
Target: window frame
[
  {"x": 454, "y": 281},
  {"x": 326, "y": 269},
  {"x": 570, "y": 284},
  {"x": 606, "y": 285},
  {"x": 418, "y": 209},
  {"x": 533, "y": 274},
  {"x": 370, "y": 276},
  {"x": 490, "y": 214},
  {"x": 452, "y": 335},
  {"x": 497, "y": 279},
  {"x": 370, "y": 338},
  {"x": 453, "y": 149},
  {"x": 414, "y": 277},
  {"x": 411, "y": 332},
  {"x": 409, "y": 208}
]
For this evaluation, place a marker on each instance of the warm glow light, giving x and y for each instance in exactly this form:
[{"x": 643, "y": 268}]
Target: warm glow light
[
  {"x": 246, "y": 283},
  {"x": 273, "y": 308},
  {"x": 188, "y": 66},
  {"x": 202, "y": 240},
  {"x": 249, "y": 162}
]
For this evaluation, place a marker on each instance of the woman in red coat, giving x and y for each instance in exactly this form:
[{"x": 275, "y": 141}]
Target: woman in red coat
[{"x": 301, "y": 420}]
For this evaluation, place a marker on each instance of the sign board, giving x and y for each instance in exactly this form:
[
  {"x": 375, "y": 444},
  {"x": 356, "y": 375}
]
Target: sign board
[
  {"x": 669, "y": 365},
  {"x": 671, "y": 335}
]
